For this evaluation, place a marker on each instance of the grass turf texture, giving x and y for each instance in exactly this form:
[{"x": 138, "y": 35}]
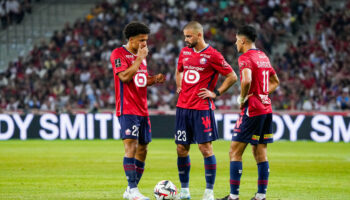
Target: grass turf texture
[{"x": 37, "y": 169}]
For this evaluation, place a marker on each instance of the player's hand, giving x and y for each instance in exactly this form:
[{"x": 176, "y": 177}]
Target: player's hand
[
  {"x": 241, "y": 101},
  {"x": 178, "y": 90},
  {"x": 205, "y": 93},
  {"x": 160, "y": 78},
  {"x": 142, "y": 52}
]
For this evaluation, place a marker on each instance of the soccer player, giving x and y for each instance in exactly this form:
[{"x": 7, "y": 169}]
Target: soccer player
[
  {"x": 199, "y": 66},
  {"x": 254, "y": 126},
  {"x": 131, "y": 80}
]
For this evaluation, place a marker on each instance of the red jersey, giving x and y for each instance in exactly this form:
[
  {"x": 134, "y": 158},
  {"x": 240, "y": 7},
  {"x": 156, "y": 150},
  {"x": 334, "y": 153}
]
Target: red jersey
[
  {"x": 131, "y": 97},
  {"x": 257, "y": 61},
  {"x": 200, "y": 70}
]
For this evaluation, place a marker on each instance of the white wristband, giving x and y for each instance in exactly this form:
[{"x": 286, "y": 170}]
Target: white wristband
[{"x": 240, "y": 100}]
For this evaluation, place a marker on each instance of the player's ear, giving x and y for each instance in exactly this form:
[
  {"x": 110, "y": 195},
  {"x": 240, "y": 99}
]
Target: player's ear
[{"x": 199, "y": 34}]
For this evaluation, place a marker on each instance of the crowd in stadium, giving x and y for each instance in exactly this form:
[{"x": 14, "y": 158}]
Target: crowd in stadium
[
  {"x": 315, "y": 72},
  {"x": 73, "y": 71},
  {"x": 13, "y": 11}
]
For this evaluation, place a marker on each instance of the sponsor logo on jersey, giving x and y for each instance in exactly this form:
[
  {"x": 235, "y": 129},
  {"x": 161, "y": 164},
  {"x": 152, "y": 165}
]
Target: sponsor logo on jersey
[
  {"x": 265, "y": 99},
  {"x": 203, "y": 61},
  {"x": 129, "y": 56},
  {"x": 142, "y": 71},
  {"x": 185, "y": 59},
  {"x": 205, "y": 55},
  {"x": 186, "y": 53},
  {"x": 194, "y": 68},
  {"x": 140, "y": 80}
]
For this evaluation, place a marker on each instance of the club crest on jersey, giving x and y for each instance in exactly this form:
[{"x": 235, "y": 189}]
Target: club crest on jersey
[
  {"x": 117, "y": 63},
  {"x": 127, "y": 132},
  {"x": 203, "y": 61},
  {"x": 243, "y": 64}
]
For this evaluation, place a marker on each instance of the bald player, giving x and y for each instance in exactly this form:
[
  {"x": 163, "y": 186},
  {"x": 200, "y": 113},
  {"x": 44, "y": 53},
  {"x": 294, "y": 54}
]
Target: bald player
[{"x": 198, "y": 69}]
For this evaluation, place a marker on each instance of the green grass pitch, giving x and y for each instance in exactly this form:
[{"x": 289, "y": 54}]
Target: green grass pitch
[{"x": 37, "y": 169}]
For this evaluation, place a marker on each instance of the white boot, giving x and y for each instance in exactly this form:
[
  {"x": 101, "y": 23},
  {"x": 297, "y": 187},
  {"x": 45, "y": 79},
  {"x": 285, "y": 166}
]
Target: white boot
[
  {"x": 185, "y": 193},
  {"x": 136, "y": 195},
  {"x": 126, "y": 193},
  {"x": 208, "y": 194}
]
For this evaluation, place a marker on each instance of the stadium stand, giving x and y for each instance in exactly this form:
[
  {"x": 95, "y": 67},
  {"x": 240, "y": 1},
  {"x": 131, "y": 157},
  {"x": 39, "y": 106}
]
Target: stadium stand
[
  {"x": 72, "y": 70},
  {"x": 13, "y": 11},
  {"x": 319, "y": 64}
]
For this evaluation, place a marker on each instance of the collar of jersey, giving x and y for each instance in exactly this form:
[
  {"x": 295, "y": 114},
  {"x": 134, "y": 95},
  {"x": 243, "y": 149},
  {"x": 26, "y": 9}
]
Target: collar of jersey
[
  {"x": 254, "y": 49},
  {"x": 201, "y": 50},
  {"x": 128, "y": 50}
]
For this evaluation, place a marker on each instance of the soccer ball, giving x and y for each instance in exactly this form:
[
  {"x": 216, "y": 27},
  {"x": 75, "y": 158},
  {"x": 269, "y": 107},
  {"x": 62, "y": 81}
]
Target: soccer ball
[{"x": 165, "y": 190}]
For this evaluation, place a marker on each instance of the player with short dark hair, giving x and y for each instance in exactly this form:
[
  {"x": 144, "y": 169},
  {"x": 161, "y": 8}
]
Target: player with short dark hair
[
  {"x": 131, "y": 80},
  {"x": 254, "y": 126},
  {"x": 199, "y": 66}
]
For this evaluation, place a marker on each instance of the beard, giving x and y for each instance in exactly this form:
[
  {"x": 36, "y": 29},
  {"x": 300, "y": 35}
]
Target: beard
[{"x": 191, "y": 45}]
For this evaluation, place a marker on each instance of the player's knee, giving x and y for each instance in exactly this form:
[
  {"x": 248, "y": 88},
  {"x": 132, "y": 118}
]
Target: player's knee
[
  {"x": 130, "y": 148},
  {"x": 143, "y": 150},
  {"x": 181, "y": 151},
  {"x": 206, "y": 153},
  {"x": 130, "y": 152},
  {"x": 260, "y": 158},
  {"x": 235, "y": 155}
]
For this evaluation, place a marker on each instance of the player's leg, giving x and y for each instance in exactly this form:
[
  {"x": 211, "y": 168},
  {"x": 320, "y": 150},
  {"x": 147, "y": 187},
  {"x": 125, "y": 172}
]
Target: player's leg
[
  {"x": 205, "y": 132},
  {"x": 183, "y": 139},
  {"x": 236, "y": 167},
  {"x": 209, "y": 163},
  {"x": 260, "y": 154},
  {"x": 183, "y": 164},
  {"x": 130, "y": 146},
  {"x": 243, "y": 134},
  {"x": 184, "y": 167},
  {"x": 140, "y": 158},
  {"x": 145, "y": 137},
  {"x": 130, "y": 140},
  {"x": 210, "y": 169},
  {"x": 130, "y": 125}
]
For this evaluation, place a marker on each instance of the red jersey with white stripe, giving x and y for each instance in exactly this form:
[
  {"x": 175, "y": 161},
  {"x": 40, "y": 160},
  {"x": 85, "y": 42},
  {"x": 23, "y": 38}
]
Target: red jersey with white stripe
[
  {"x": 131, "y": 97},
  {"x": 257, "y": 61},
  {"x": 200, "y": 70}
]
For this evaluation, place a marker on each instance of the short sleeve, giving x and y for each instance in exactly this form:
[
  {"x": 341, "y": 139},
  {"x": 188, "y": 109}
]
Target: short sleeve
[
  {"x": 219, "y": 64},
  {"x": 179, "y": 63},
  {"x": 244, "y": 62},
  {"x": 118, "y": 62},
  {"x": 272, "y": 71}
]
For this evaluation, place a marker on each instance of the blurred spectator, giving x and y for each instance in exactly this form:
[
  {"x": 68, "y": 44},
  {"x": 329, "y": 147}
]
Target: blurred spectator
[
  {"x": 343, "y": 100},
  {"x": 73, "y": 71},
  {"x": 13, "y": 11}
]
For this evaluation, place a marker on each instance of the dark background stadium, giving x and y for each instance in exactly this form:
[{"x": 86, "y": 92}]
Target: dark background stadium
[{"x": 55, "y": 54}]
